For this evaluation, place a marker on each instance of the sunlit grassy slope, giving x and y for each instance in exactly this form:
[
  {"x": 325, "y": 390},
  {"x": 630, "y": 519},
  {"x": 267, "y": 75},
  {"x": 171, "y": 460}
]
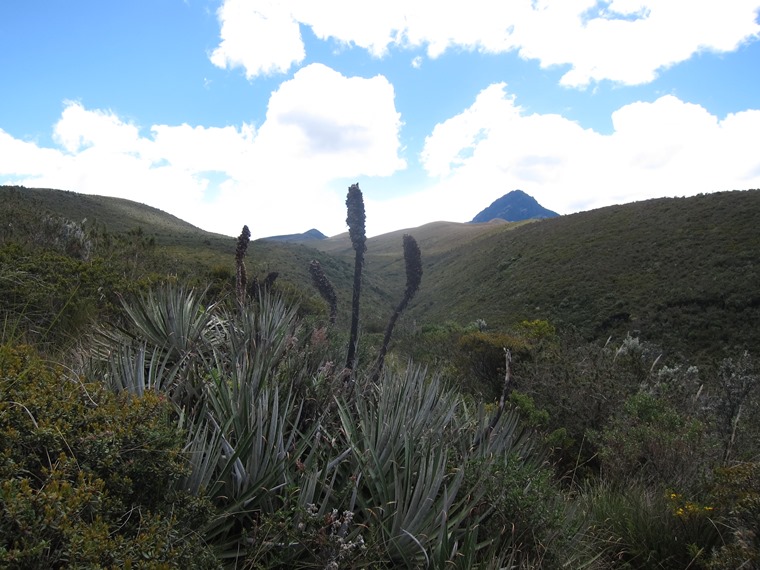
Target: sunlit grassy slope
[{"x": 682, "y": 272}]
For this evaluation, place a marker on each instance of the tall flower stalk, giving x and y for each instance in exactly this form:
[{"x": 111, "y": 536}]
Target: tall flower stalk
[
  {"x": 325, "y": 288},
  {"x": 241, "y": 280},
  {"x": 355, "y": 219},
  {"x": 413, "y": 261}
]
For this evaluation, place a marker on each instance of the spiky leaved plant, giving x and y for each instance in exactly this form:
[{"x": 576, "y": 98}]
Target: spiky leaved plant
[
  {"x": 231, "y": 375},
  {"x": 416, "y": 494},
  {"x": 355, "y": 220},
  {"x": 241, "y": 279},
  {"x": 413, "y": 261},
  {"x": 325, "y": 288}
]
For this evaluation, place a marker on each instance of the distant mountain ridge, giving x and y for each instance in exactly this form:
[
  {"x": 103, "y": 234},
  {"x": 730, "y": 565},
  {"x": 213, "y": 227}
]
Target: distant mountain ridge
[
  {"x": 310, "y": 235},
  {"x": 515, "y": 206}
]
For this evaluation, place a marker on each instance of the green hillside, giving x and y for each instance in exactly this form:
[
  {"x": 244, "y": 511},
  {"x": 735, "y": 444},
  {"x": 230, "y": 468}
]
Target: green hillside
[
  {"x": 684, "y": 272},
  {"x": 681, "y": 272},
  {"x": 154, "y": 413},
  {"x": 116, "y": 214},
  {"x": 133, "y": 245}
]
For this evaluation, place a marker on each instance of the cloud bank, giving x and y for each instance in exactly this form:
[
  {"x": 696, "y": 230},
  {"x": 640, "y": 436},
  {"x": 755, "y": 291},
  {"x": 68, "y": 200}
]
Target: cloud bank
[
  {"x": 324, "y": 130},
  {"x": 666, "y": 147},
  {"x": 625, "y": 41},
  {"x": 284, "y": 176},
  {"x": 280, "y": 175}
]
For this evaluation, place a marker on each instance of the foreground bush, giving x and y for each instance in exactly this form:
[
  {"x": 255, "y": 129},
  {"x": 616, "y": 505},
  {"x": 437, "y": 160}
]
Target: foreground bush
[
  {"x": 88, "y": 476},
  {"x": 634, "y": 526},
  {"x": 737, "y": 490}
]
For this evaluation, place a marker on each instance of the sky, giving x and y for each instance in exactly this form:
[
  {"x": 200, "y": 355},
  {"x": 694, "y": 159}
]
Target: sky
[{"x": 264, "y": 112}]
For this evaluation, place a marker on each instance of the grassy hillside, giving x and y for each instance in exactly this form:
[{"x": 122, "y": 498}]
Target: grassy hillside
[
  {"x": 117, "y": 214},
  {"x": 384, "y": 264},
  {"x": 682, "y": 272},
  {"x": 685, "y": 272},
  {"x": 135, "y": 244}
]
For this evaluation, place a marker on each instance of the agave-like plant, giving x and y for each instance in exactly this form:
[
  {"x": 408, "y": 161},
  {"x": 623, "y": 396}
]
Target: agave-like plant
[
  {"x": 325, "y": 288},
  {"x": 221, "y": 367},
  {"x": 165, "y": 344},
  {"x": 391, "y": 455},
  {"x": 355, "y": 220},
  {"x": 243, "y": 456},
  {"x": 410, "y": 440},
  {"x": 241, "y": 279}
]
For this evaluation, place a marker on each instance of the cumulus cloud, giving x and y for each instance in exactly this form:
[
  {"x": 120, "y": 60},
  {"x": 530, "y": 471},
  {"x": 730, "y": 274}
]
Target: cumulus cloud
[
  {"x": 658, "y": 148},
  {"x": 626, "y": 41},
  {"x": 260, "y": 36},
  {"x": 323, "y": 130},
  {"x": 286, "y": 176},
  {"x": 341, "y": 126}
]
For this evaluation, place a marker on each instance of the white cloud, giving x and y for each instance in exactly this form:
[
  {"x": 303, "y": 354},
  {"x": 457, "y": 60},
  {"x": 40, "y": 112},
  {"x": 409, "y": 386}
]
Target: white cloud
[
  {"x": 260, "y": 36},
  {"x": 339, "y": 126},
  {"x": 79, "y": 129},
  {"x": 627, "y": 41},
  {"x": 204, "y": 149},
  {"x": 321, "y": 127},
  {"x": 454, "y": 141},
  {"x": 630, "y": 42}
]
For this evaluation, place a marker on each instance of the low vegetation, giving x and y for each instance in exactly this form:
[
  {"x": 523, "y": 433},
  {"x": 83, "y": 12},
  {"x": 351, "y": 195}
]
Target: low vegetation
[{"x": 224, "y": 419}]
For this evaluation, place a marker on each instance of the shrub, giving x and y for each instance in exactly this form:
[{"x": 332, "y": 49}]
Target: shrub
[
  {"x": 652, "y": 440},
  {"x": 735, "y": 403},
  {"x": 88, "y": 476},
  {"x": 633, "y": 526},
  {"x": 480, "y": 359},
  {"x": 527, "y": 511},
  {"x": 737, "y": 490},
  {"x": 582, "y": 386}
]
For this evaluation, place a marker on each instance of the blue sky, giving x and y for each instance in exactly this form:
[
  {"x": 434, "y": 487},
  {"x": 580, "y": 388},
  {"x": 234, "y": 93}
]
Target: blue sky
[{"x": 232, "y": 112}]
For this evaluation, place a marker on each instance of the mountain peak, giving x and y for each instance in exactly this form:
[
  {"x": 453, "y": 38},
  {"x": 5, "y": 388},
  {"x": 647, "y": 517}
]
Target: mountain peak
[
  {"x": 310, "y": 235},
  {"x": 514, "y": 206}
]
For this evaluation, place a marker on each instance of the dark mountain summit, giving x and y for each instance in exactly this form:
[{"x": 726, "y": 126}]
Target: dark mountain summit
[
  {"x": 311, "y": 235},
  {"x": 515, "y": 206}
]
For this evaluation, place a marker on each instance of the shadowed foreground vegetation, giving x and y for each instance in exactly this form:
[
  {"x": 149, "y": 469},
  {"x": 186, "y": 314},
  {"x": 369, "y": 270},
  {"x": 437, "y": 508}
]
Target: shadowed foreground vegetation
[{"x": 208, "y": 419}]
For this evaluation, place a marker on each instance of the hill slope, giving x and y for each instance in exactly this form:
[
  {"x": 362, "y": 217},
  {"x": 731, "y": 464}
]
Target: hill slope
[
  {"x": 684, "y": 272},
  {"x": 149, "y": 242},
  {"x": 117, "y": 214}
]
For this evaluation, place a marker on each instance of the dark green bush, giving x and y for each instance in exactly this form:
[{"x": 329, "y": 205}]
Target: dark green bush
[
  {"x": 652, "y": 440},
  {"x": 527, "y": 511},
  {"x": 88, "y": 476},
  {"x": 481, "y": 362},
  {"x": 635, "y": 526},
  {"x": 737, "y": 491}
]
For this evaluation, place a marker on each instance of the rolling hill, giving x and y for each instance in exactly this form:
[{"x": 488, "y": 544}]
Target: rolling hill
[{"x": 681, "y": 272}]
